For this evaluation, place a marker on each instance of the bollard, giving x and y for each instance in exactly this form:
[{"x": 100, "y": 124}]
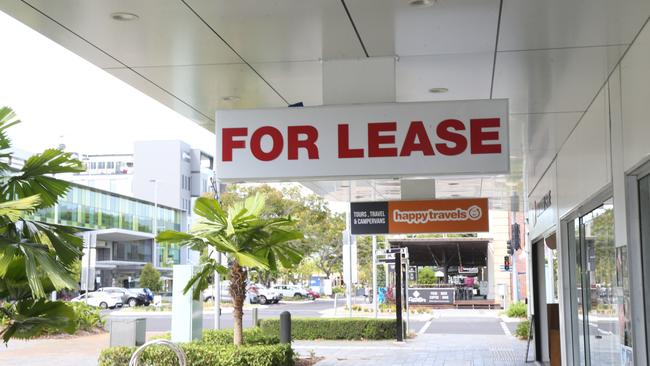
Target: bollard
[
  {"x": 255, "y": 323},
  {"x": 285, "y": 327}
]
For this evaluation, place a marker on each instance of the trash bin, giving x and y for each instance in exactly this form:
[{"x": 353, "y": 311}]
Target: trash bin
[{"x": 128, "y": 332}]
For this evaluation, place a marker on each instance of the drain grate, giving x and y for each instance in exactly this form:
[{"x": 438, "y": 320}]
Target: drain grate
[{"x": 503, "y": 355}]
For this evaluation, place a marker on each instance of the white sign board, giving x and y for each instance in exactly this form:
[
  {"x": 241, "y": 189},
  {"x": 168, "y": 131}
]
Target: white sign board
[{"x": 364, "y": 140}]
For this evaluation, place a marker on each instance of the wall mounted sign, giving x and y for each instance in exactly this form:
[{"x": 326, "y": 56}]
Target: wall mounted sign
[
  {"x": 363, "y": 140},
  {"x": 430, "y": 216},
  {"x": 431, "y": 296}
]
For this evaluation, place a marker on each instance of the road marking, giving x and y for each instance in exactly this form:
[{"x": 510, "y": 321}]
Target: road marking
[
  {"x": 425, "y": 327},
  {"x": 505, "y": 329}
]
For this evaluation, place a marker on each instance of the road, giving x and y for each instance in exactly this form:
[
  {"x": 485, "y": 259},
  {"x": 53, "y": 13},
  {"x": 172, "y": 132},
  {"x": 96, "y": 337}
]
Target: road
[{"x": 162, "y": 322}]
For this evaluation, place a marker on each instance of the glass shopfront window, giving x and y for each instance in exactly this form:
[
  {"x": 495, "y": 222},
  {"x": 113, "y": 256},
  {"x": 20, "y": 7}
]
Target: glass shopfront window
[
  {"x": 601, "y": 305},
  {"x": 133, "y": 251}
]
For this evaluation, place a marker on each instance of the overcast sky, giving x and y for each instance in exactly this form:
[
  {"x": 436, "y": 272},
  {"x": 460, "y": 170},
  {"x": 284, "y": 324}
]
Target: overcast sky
[{"x": 62, "y": 98}]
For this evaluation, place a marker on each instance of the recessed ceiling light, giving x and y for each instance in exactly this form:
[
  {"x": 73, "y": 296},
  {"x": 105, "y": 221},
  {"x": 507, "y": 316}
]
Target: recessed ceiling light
[
  {"x": 438, "y": 90},
  {"x": 124, "y": 17},
  {"x": 421, "y": 3},
  {"x": 231, "y": 98}
]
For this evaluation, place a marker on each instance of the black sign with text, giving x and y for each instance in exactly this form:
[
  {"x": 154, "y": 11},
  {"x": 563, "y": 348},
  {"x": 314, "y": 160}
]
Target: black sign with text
[
  {"x": 431, "y": 296},
  {"x": 369, "y": 218}
]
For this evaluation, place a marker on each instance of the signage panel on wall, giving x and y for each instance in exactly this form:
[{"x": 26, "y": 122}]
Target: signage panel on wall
[
  {"x": 364, "y": 140},
  {"x": 430, "y": 216},
  {"x": 431, "y": 296}
]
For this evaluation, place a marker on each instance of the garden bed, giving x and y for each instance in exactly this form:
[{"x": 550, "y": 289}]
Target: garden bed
[{"x": 333, "y": 328}]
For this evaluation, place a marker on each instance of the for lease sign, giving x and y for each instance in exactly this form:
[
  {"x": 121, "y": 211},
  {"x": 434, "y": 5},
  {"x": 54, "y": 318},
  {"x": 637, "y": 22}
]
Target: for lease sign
[
  {"x": 366, "y": 140},
  {"x": 428, "y": 216}
]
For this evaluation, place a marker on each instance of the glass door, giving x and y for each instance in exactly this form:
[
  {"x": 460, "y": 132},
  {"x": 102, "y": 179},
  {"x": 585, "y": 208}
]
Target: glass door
[
  {"x": 600, "y": 278},
  {"x": 644, "y": 224}
]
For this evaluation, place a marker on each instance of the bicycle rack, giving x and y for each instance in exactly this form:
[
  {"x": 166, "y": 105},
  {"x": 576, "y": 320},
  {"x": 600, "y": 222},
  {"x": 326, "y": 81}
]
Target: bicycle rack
[{"x": 163, "y": 342}]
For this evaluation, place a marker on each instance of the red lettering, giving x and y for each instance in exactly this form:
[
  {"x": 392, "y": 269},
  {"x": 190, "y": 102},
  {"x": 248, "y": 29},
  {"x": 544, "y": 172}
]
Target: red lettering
[
  {"x": 228, "y": 142},
  {"x": 308, "y": 143},
  {"x": 459, "y": 141},
  {"x": 376, "y": 139},
  {"x": 416, "y": 131},
  {"x": 256, "y": 143},
  {"x": 344, "y": 144},
  {"x": 479, "y": 137}
]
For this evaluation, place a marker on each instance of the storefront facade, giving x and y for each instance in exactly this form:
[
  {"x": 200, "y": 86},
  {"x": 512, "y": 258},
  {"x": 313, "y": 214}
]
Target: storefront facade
[{"x": 588, "y": 213}]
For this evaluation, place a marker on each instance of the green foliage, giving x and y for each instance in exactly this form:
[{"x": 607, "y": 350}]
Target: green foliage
[
  {"x": 35, "y": 257},
  {"x": 334, "y": 328},
  {"x": 31, "y": 318},
  {"x": 321, "y": 227},
  {"x": 88, "y": 317},
  {"x": 426, "y": 276},
  {"x": 203, "y": 353},
  {"x": 248, "y": 238},
  {"x": 338, "y": 290},
  {"x": 150, "y": 278},
  {"x": 522, "y": 330},
  {"x": 224, "y": 337},
  {"x": 517, "y": 310}
]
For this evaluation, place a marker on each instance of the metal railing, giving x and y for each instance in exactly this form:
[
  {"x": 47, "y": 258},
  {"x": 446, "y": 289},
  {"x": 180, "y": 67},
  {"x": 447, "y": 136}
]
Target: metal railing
[{"x": 163, "y": 342}]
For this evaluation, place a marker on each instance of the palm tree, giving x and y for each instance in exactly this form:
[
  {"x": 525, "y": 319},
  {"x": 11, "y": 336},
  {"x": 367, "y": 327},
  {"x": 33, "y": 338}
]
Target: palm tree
[
  {"x": 35, "y": 257},
  {"x": 249, "y": 240}
]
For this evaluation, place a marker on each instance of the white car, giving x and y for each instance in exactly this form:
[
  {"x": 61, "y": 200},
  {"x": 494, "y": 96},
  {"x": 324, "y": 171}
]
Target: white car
[
  {"x": 291, "y": 291},
  {"x": 100, "y": 299},
  {"x": 265, "y": 295}
]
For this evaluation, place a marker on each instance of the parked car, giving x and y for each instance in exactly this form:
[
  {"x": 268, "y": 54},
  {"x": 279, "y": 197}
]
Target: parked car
[
  {"x": 313, "y": 294},
  {"x": 147, "y": 293},
  {"x": 266, "y": 295},
  {"x": 291, "y": 291},
  {"x": 99, "y": 299},
  {"x": 251, "y": 296},
  {"x": 126, "y": 296}
]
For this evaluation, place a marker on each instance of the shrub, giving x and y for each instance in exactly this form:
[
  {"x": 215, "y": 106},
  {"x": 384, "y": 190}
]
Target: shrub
[
  {"x": 224, "y": 337},
  {"x": 333, "y": 328},
  {"x": 150, "y": 278},
  {"x": 88, "y": 317},
  {"x": 517, "y": 310},
  {"x": 522, "y": 330},
  {"x": 426, "y": 276},
  {"x": 338, "y": 290},
  {"x": 201, "y": 353}
]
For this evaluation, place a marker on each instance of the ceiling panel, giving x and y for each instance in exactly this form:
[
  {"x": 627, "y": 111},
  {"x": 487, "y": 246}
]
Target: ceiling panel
[
  {"x": 166, "y": 33},
  {"x": 300, "y": 81},
  {"x": 559, "y": 80},
  {"x": 535, "y": 24},
  {"x": 56, "y": 33},
  {"x": 205, "y": 87},
  {"x": 390, "y": 27},
  {"x": 163, "y": 97},
  {"x": 283, "y": 30},
  {"x": 467, "y": 76}
]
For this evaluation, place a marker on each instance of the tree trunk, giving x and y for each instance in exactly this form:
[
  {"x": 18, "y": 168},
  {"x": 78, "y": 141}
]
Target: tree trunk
[{"x": 238, "y": 293}]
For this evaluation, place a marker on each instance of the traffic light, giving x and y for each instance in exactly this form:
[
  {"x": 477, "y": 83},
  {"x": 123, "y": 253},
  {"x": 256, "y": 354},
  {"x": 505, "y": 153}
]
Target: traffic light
[
  {"x": 509, "y": 247},
  {"x": 506, "y": 263},
  {"x": 516, "y": 237}
]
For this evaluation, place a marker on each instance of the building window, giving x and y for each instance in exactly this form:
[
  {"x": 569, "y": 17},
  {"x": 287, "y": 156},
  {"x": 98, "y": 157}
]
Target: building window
[{"x": 132, "y": 251}]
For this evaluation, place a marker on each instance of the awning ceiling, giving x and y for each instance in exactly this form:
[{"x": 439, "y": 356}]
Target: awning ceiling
[{"x": 466, "y": 252}]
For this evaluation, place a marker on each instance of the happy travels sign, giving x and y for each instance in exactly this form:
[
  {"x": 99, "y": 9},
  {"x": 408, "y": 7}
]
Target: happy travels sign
[
  {"x": 363, "y": 140},
  {"x": 429, "y": 216}
]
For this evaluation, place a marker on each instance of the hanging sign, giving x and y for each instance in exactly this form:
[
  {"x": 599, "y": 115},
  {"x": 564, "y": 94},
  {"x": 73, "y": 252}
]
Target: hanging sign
[
  {"x": 363, "y": 140},
  {"x": 430, "y": 216}
]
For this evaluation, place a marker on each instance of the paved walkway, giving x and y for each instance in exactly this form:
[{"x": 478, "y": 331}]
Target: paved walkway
[
  {"x": 78, "y": 351},
  {"x": 425, "y": 350},
  {"x": 448, "y": 338}
]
